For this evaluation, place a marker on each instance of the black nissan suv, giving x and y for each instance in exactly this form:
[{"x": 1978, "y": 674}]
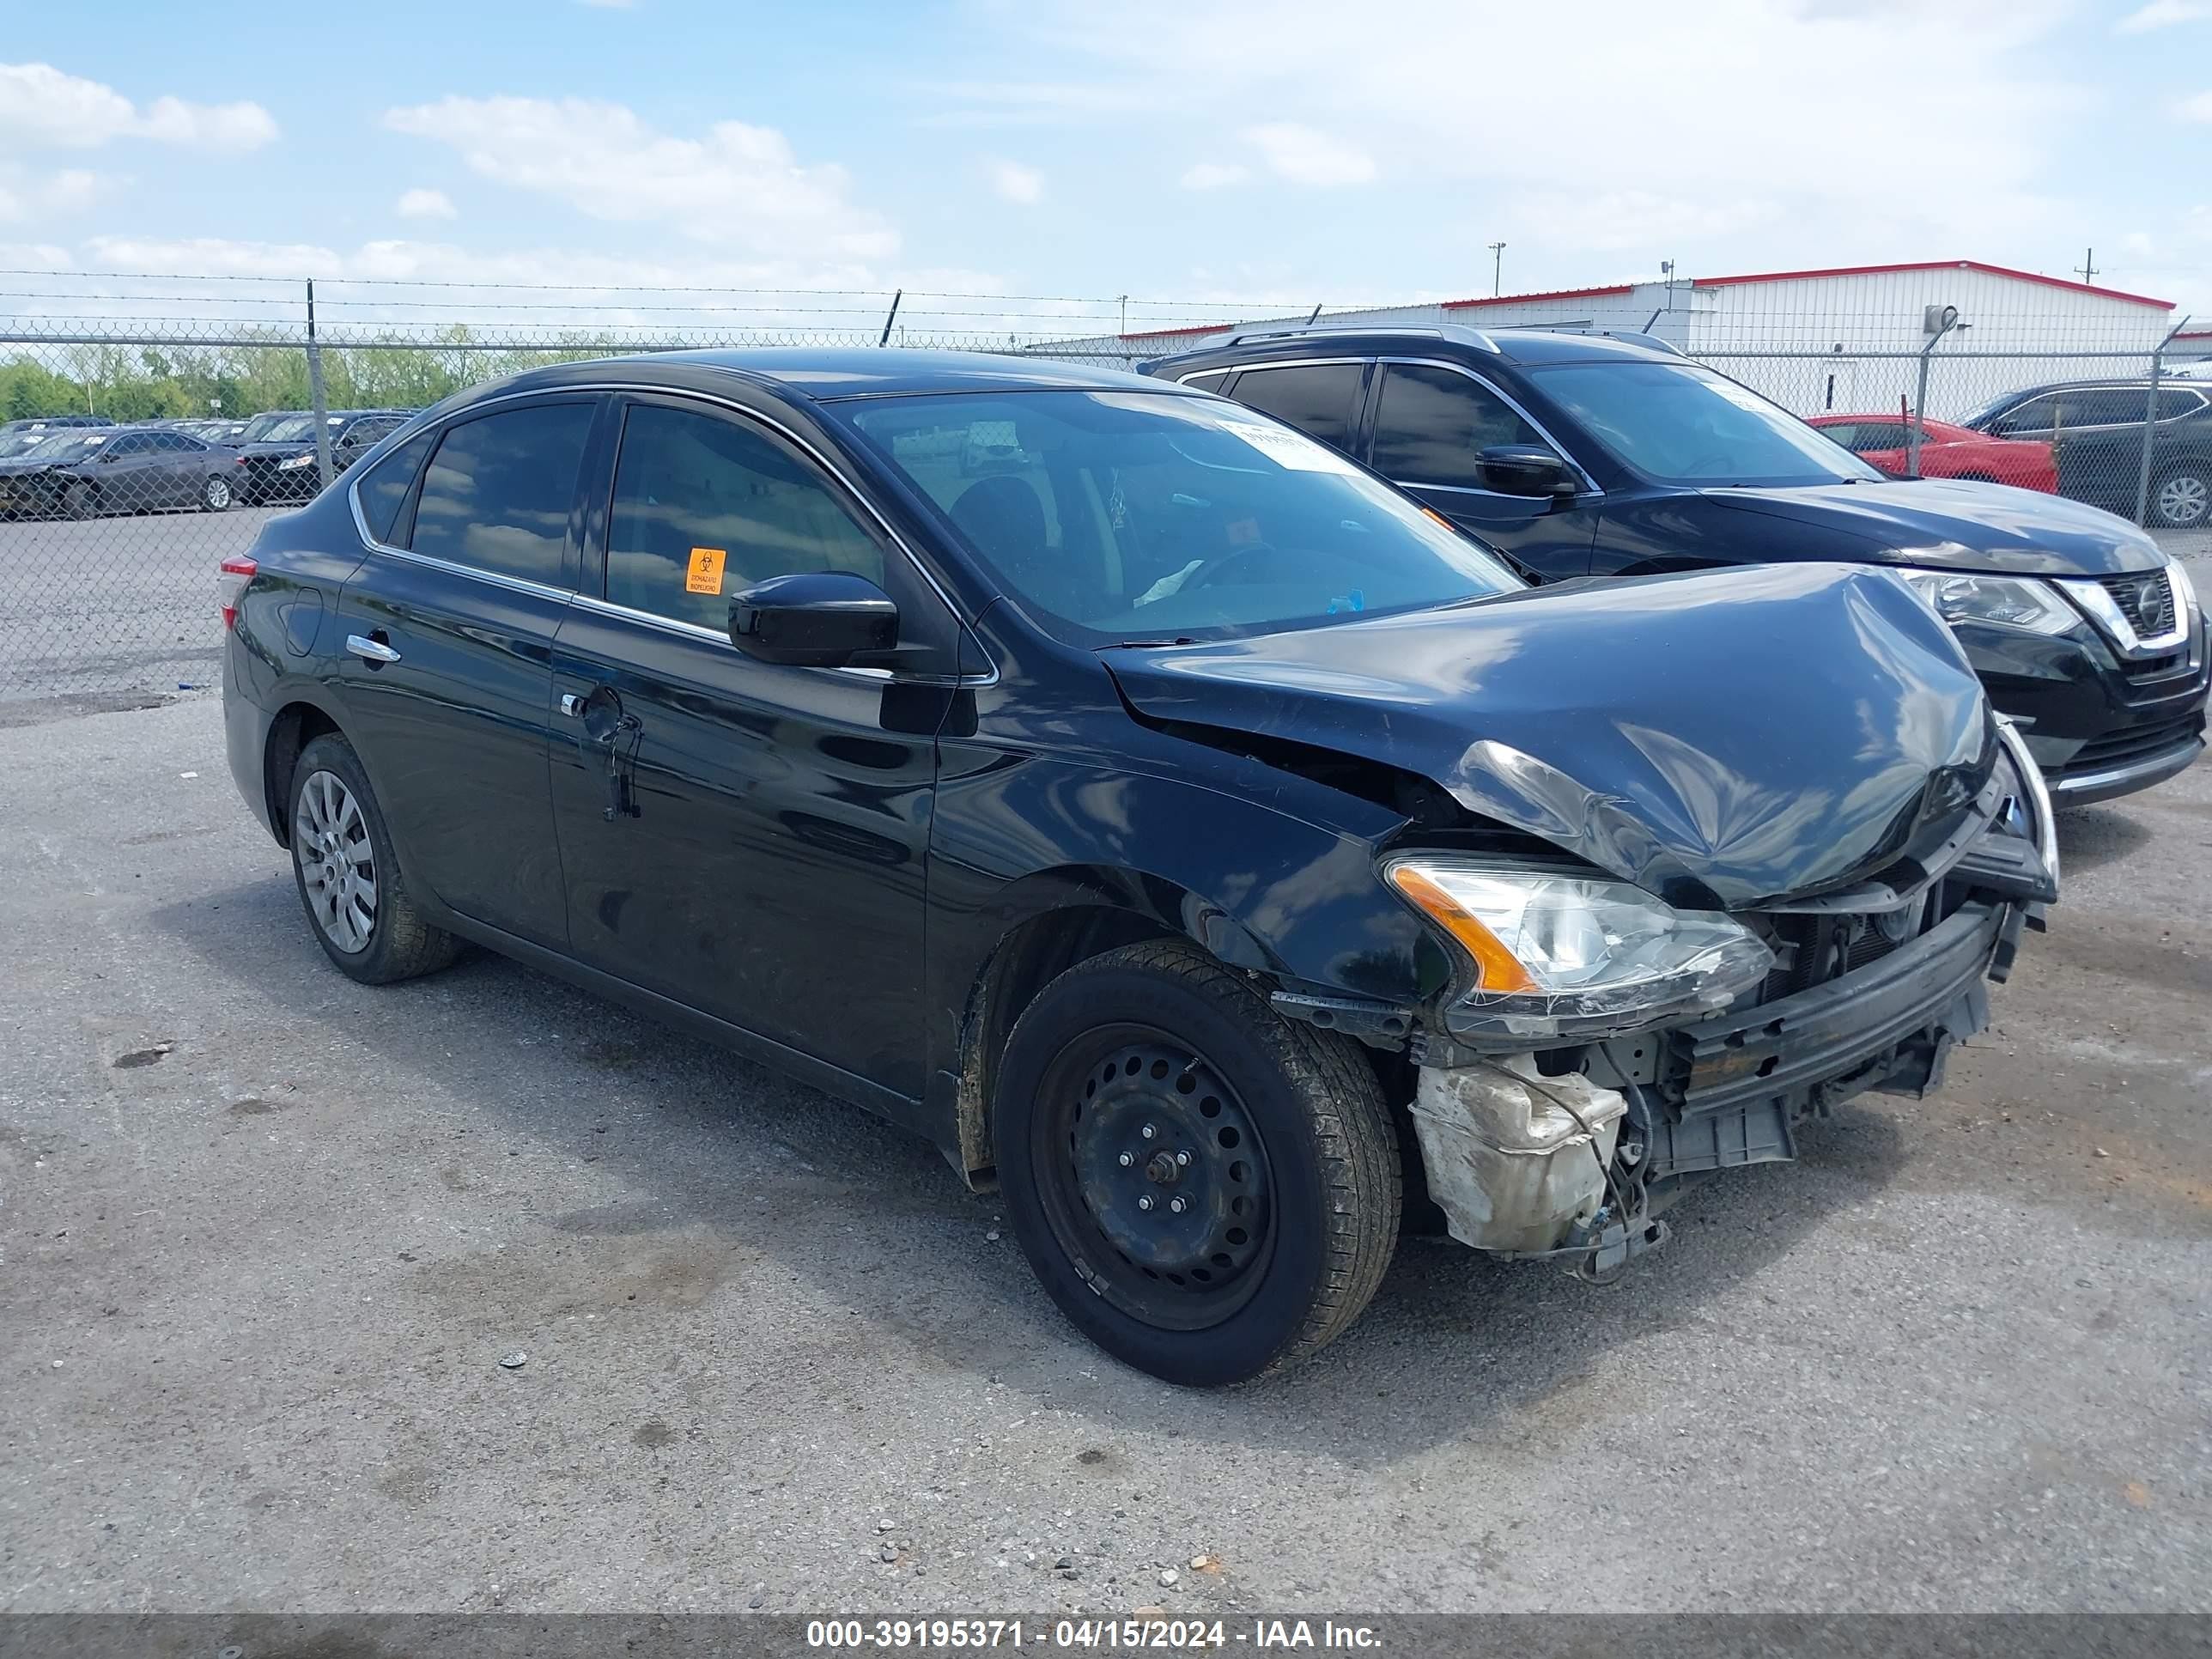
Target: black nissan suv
[
  {"x": 1583, "y": 454},
  {"x": 1158, "y": 812}
]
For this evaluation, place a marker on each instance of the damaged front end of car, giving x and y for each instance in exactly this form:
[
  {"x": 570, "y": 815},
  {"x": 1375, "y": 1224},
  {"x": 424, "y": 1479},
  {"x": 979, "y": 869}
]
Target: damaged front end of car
[
  {"x": 1672, "y": 924},
  {"x": 1610, "y": 1053}
]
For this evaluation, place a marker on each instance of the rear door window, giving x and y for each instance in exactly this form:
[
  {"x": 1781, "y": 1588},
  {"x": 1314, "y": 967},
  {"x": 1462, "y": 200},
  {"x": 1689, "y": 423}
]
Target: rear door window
[
  {"x": 705, "y": 506},
  {"x": 383, "y": 489},
  {"x": 1433, "y": 422},
  {"x": 498, "y": 493},
  {"x": 2107, "y": 406},
  {"x": 1320, "y": 399}
]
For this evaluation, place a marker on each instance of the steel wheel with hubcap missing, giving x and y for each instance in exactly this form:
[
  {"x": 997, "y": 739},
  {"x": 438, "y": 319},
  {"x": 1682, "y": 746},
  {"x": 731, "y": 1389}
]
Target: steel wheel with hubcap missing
[
  {"x": 1205, "y": 1188},
  {"x": 2182, "y": 499},
  {"x": 338, "y": 863},
  {"x": 1152, "y": 1171}
]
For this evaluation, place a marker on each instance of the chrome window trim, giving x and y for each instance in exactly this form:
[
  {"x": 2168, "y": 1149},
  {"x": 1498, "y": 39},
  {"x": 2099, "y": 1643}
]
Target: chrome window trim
[
  {"x": 2088, "y": 593},
  {"x": 576, "y": 595},
  {"x": 1591, "y": 486}
]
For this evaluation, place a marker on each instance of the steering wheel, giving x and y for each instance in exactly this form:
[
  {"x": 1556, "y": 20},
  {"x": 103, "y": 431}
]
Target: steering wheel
[{"x": 1204, "y": 574}]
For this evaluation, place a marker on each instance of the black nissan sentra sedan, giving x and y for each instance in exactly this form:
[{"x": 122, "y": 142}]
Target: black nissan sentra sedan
[{"x": 1150, "y": 805}]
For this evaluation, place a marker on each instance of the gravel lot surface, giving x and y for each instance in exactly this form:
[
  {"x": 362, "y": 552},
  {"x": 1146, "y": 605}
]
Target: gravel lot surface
[{"x": 267, "y": 1237}]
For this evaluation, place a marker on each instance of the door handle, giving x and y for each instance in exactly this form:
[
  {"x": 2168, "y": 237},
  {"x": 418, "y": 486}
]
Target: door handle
[{"x": 370, "y": 649}]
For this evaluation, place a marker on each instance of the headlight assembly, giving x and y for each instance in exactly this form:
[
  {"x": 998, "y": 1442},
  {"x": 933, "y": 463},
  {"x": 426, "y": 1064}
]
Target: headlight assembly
[
  {"x": 2007, "y": 601},
  {"x": 293, "y": 463},
  {"x": 1558, "y": 956}
]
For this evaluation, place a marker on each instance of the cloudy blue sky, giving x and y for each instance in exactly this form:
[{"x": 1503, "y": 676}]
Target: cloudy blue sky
[{"x": 1171, "y": 150}]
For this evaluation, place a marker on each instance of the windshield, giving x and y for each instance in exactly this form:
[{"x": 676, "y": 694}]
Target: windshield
[
  {"x": 291, "y": 429},
  {"x": 1122, "y": 516},
  {"x": 1680, "y": 424},
  {"x": 14, "y": 443},
  {"x": 66, "y": 445}
]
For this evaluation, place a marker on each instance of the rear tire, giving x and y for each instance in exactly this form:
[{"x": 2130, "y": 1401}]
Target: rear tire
[
  {"x": 1207, "y": 1190},
  {"x": 350, "y": 881},
  {"x": 215, "y": 494}
]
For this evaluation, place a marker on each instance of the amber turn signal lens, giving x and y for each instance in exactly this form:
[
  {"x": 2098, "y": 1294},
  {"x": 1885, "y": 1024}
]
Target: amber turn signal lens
[{"x": 1497, "y": 968}]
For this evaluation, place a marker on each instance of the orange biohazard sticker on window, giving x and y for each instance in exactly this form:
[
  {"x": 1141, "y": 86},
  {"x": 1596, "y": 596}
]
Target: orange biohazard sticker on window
[{"x": 705, "y": 572}]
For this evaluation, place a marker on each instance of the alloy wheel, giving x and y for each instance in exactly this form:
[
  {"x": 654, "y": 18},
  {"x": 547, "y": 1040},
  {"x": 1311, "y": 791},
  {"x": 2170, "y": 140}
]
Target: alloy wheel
[
  {"x": 2182, "y": 500},
  {"x": 338, "y": 862}
]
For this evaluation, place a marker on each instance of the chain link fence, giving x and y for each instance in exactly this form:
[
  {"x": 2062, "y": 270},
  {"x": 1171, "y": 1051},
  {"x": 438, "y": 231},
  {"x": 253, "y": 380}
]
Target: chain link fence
[{"x": 149, "y": 426}]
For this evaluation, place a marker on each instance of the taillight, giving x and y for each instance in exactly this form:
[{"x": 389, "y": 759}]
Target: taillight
[{"x": 237, "y": 572}]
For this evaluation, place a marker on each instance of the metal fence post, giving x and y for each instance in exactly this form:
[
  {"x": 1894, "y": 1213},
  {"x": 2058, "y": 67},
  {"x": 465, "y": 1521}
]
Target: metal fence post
[
  {"x": 1948, "y": 316},
  {"x": 317, "y": 398},
  {"x": 2150, "y": 423}
]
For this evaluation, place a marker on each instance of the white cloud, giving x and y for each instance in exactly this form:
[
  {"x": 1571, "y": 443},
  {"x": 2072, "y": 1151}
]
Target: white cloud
[
  {"x": 1307, "y": 157},
  {"x": 40, "y": 106},
  {"x": 419, "y": 203},
  {"x": 1213, "y": 175},
  {"x": 2198, "y": 108},
  {"x": 2163, "y": 13},
  {"x": 1614, "y": 222},
  {"x": 24, "y": 197},
  {"x": 1021, "y": 185},
  {"x": 739, "y": 186},
  {"x": 1846, "y": 74}
]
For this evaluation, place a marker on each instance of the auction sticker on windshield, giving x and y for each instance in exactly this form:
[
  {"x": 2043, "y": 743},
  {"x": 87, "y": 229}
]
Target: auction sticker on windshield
[{"x": 1288, "y": 448}]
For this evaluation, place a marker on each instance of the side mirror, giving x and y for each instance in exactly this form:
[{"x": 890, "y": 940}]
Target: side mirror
[
  {"x": 1524, "y": 470},
  {"x": 813, "y": 619}
]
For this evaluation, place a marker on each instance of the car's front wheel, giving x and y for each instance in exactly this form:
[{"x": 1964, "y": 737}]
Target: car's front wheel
[
  {"x": 2182, "y": 498},
  {"x": 1205, "y": 1189},
  {"x": 357, "y": 899}
]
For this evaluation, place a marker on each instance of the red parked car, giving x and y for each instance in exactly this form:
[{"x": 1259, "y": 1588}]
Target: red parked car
[{"x": 1946, "y": 451}]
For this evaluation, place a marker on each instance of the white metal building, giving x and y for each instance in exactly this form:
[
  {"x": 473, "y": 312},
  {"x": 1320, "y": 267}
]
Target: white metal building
[{"x": 1846, "y": 339}]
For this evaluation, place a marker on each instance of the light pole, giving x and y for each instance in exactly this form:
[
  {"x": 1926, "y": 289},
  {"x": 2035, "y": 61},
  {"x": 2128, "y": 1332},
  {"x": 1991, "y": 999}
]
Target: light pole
[{"x": 1497, "y": 266}]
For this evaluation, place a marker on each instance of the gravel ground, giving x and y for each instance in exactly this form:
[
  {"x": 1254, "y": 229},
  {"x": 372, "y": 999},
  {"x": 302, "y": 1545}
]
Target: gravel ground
[{"x": 267, "y": 1237}]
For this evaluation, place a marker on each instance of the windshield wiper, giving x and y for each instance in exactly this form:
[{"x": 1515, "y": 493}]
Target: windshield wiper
[{"x": 1151, "y": 644}]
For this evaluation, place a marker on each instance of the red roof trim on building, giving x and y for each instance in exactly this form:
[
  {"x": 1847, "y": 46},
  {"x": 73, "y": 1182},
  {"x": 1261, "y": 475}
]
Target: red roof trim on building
[
  {"x": 1934, "y": 264},
  {"x": 1527, "y": 299},
  {"x": 2195, "y": 334}
]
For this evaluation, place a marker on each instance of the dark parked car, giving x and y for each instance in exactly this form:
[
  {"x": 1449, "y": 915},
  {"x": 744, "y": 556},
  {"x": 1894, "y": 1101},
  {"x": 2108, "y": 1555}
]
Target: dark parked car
[
  {"x": 281, "y": 464},
  {"x": 2096, "y": 427},
  {"x": 82, "y": 473},
  {"x": 39, "y": 425},
  {"x": 1158, "y": 812},
  {"x": 1588, "y": 455}
]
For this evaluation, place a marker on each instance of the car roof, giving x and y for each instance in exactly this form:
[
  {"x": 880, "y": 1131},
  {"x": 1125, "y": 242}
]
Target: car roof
[
  {"x": 1529, "y": 347},
  {"x": 832, "y": 373}
]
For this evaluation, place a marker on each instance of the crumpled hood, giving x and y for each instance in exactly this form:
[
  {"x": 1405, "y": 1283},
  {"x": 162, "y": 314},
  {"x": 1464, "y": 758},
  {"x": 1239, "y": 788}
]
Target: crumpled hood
[
  {"x": 1955, "y": 524},
  {"x": 1722, "y": 737},
  {"x": 22, "y": 469}
]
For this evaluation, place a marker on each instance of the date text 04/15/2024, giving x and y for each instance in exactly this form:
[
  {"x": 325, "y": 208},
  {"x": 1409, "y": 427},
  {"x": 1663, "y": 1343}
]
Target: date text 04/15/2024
[{"x": 1087, "y": 1635}]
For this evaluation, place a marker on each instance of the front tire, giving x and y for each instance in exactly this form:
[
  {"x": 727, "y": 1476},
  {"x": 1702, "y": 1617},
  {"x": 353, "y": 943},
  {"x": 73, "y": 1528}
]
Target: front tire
[
  {"x": 2181, "y": 499},
  {"x": 78, "y": 502},
  {"x": 1207, "y": 1190},
  {"x": 350, "y": 882}
]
